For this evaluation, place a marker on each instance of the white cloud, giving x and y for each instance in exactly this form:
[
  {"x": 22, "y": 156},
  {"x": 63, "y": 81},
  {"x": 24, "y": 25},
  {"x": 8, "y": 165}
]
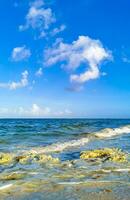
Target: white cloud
[
  {"x": 39, "y": 72},
  {"x": 34, "y": 111},
  {"x": 37, "y": 3},
  {"x": 104, "y": 74},
  {"x": 15, "y": 85},
  {"x": 67, "y": 111},
  {"x": 58, "y": 30},
  {"x": 42, "y": 19},
  {"x": 38, "y": 111},
  {"x": 38, "y": 17},
  {"x": 85, "y": 51},
  {"x": 43, "y": 34},
  {"x": 20, "y": 53}
]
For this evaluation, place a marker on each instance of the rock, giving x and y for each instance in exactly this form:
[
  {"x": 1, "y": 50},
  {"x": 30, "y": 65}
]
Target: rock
[
  {"x": 13, "y": 176},
  {"x": 37, "y": 158},
  {"x": 6, "y": 158},
  {"x": 105, "y": 154}
]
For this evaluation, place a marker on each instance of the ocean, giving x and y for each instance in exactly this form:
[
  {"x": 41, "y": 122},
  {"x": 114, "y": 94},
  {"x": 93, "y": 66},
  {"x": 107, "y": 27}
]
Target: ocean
[{"x": 41, "y": 159}]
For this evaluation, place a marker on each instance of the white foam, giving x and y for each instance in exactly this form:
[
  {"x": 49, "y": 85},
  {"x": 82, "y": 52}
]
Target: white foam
[
  {"x": 122, "y": 170},
  {"x": 5, "y": 186},
  {"x": 88, "y": 182},
  {"x": 116, "y": 170},
  {"x": 106, "y": 171},
  {"x": 109, "y": 132},
  {"x": 58, "y": 147},
  {"x": 105, "y": 133},
  {"x": 71, "y": 183}
]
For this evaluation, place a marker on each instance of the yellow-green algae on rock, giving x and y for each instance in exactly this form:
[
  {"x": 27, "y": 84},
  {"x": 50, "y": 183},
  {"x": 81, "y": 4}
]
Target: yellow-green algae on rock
[
  {"x": 37, "y": 158},
  {"x": 48, "y": 158},
  {"x": 115, "y": 155},
  {"x": 12, "y": 176},
  {"x": 6, "y": 158},
  {"x": 9, "y": 158}
]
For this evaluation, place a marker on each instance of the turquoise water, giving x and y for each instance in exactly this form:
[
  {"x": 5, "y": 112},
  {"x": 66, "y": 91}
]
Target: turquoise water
[{"x": 72, "y": 177}]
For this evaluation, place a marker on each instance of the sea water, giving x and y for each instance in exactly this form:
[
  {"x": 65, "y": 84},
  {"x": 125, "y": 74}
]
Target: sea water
[{"x": 72, "y": 178}]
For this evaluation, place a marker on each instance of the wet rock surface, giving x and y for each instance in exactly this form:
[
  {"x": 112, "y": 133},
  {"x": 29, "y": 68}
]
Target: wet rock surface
[
  {"x": 115, "y": 155},
  {"x": 95, "y": 173}
]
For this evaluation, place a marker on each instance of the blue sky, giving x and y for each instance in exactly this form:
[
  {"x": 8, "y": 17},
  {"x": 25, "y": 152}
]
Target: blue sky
[{"x": 65, "y": 58}]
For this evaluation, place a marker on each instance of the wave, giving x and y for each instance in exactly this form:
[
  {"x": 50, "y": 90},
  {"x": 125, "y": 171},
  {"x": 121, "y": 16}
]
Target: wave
[
  {"x": 58, "y": 147},
  {"x": 109, "y": 132},
  {"x": 105, "y": 133}
]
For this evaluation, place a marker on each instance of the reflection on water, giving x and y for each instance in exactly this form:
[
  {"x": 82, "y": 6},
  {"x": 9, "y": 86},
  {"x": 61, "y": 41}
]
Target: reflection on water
[{"x": 40, "y": 159}]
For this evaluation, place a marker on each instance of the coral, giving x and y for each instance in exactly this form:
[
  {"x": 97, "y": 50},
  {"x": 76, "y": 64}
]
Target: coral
[{"x": 113, "y": 154}]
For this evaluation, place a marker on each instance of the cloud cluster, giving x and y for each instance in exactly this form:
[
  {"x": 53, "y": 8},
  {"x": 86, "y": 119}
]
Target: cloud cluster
[
  {"x": 83, "y": 51},
  {"x": 20, "y": 53},
  {"x": 40, "y": 18},
  {"x": 15, "y": 85},
  {"x": 34, "y": 111}
]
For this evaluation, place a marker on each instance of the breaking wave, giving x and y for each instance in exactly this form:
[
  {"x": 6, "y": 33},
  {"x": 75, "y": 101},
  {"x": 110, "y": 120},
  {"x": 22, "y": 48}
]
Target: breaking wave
[
  {"x": 109, "y": 132},
  {"x": 61, "y": 146},
  {"x": 102, "y": 134}
]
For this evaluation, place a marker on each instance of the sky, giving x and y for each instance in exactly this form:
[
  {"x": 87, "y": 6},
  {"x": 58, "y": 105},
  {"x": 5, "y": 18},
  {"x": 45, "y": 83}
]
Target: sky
[{"x": 64, "y": 59}]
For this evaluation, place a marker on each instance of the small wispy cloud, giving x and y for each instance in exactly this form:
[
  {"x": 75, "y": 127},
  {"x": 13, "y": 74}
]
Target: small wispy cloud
[
  {"x": 58, "y": 30},
  {"x": 20, "y": 53},
  {"x": 15, "y": 85},
  {"x": 125, "y": 59},
  {"x": 39, "y": 72},
  {"x": 75, "y": 88},
  {"x": 125, "y": 56}
]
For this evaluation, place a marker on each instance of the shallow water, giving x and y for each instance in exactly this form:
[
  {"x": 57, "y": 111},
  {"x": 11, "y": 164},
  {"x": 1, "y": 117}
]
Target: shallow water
[{"x": 70, "y": 178}]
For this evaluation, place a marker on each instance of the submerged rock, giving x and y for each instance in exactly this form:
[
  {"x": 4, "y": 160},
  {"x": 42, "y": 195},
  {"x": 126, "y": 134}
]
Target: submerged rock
[{"x": 113, "y": 154}]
